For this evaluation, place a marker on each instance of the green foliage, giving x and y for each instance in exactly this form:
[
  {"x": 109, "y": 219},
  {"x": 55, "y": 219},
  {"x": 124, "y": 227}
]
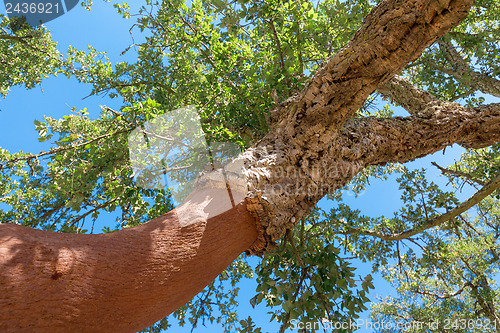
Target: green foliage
[
  {"x": 450, "y": 279},
  {"x": 27, "y": 55},
  {"x": 477, "y": 41},
  {"x": 235, "y": 61},
  {"x": 307, "y": 279},
  {"x": 86, "y": 173}
]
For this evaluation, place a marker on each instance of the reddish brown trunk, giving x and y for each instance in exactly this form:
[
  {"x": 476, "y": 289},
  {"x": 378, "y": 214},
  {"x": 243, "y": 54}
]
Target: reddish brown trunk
[{"x": 118, "y": 282}]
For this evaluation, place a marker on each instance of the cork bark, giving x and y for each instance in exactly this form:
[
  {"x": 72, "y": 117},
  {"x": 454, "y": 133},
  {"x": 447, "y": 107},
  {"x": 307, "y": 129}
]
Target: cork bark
[
  {"x": 125, "y": 281},
  {"x": 302, "y": 159}
]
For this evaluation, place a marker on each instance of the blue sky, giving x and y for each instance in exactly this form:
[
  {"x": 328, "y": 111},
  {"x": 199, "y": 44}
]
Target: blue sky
[{"x": 106, "y": 31}]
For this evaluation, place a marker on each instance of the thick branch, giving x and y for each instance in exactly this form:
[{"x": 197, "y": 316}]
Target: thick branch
[
  {"x": 380, "y": 141},
  {"x": 403, "y": 139},
  {"x": 392, "y": 35},
  {"x": 463, "y": 72},
  {"x": 280, "y": 167},
  {"x": 405, "y": 94}
]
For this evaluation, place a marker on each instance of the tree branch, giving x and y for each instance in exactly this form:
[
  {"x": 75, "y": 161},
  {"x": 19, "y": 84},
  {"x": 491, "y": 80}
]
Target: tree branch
[
  {"x": 375, "y": 54},
  {"x": 278, "y": 44},
  {"x": 443, "y": 296},
  {"x": 402, "y": 139},
  {"x": 95, "y": 209},
  {"x": 281, "y": 168},
  {"x": 21, "y": 39},
  {"x": 461, "y": 174},
  {"x": 402, "y": 92},
  {"x": 25, "y": 41},
  {"x": 61, "y": 149},
  {"x": 463, "y": 72},
  {"x": 122, "y": 281},
  {"x": 489, "y": 188}
]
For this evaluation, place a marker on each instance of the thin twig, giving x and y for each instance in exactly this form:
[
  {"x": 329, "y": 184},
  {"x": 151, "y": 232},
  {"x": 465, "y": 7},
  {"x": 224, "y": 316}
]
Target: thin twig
[{"x": 489, "y": 188}]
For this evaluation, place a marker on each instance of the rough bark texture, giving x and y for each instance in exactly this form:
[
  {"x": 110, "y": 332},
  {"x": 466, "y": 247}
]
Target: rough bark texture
[
  {"x": 402, "y": 92},
  {"x": 405, "y": 139},
  {"x": 300, "y": 161},
  {"x": 124, "y": 281},
  {"x": 118, "y": 282},
  {"x": 464, "y": 73}
]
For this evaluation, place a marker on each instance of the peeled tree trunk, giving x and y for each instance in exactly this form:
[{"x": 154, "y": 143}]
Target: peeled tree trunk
[
  {"x": 122, "y": 281},
  {"x": 127, "y": 280}
]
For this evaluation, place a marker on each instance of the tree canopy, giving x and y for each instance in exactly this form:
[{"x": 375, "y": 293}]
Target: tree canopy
[{"x": 240, "y": 63}]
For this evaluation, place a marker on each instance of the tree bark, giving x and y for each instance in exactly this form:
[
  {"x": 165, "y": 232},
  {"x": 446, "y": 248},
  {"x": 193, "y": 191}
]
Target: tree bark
[
  {"x": 300, "y": 161},
  {"x": 462, "y": 72},
  {"x": 122, "y": 281},
  {"x": 127, "y": 280}
]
